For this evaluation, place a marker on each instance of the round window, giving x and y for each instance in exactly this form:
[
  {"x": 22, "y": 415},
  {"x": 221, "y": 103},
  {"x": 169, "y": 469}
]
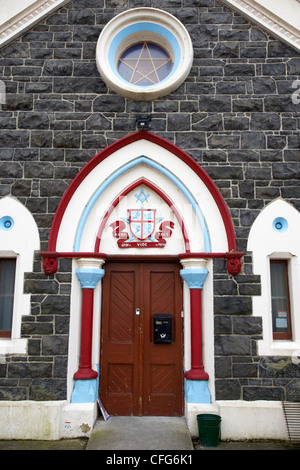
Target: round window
[{"x": 144, "y": 53}]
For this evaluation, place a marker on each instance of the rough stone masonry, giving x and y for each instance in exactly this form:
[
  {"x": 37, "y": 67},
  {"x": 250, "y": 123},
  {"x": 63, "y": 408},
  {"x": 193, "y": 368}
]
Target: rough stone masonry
[{"x": 233, "y": 114}]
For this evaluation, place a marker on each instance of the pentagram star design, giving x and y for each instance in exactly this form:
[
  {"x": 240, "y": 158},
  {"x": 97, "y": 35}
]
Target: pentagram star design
[{"x": 144, "y": 64}]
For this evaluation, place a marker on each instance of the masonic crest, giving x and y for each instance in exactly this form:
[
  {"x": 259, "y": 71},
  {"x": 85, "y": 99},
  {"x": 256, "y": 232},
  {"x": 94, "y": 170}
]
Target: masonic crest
[{"x": 141, "y": 225}]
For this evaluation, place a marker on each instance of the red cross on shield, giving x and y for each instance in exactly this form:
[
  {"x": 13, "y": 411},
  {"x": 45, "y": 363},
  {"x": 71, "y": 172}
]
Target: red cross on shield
[{"x": 142, "y": 222}]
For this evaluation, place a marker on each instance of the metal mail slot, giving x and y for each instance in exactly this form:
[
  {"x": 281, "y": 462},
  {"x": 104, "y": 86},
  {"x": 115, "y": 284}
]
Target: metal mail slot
[{"x": 162, "y": 328}]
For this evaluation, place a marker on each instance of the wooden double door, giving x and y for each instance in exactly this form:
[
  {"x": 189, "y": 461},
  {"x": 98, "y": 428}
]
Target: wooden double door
[{"x": 139, "y": 376}]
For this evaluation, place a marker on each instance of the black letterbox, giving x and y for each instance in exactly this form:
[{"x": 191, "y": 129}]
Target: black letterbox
[{"x": 162, "y": 328}]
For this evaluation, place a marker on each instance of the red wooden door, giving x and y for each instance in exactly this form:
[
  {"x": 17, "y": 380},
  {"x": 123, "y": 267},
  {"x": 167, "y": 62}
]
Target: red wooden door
[{"x": 138, "y": 376}]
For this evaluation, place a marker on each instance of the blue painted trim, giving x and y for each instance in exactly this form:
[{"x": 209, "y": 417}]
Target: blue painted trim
[
  {"x": 196, "y": 391},
  {"x": 122, "y": 170},
  {"x": 85, "y": 391},
  {"x": 134, "y": 28},
  {"x": 89, "y": 278},
  {"x": 194, "y": 277}
]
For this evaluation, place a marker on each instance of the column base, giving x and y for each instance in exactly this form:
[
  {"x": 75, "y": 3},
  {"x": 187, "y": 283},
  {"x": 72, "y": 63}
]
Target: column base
[
  {"x": 197, "y": 391},
  {"x": 85, "y": 391},
  {"x": 196, "y": 374}
]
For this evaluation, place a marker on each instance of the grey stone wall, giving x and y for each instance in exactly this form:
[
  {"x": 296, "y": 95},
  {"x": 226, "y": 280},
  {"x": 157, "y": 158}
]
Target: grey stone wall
[
  {"x": 234, "y": 115},
  {"x": 41, "y": 375}
]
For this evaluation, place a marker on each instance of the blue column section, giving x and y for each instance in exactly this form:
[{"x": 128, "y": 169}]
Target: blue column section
[
  {"x": 86, "y": 391},
  {"x": 89, "y": 277},
  {"x": 196, "y": 391},
  {"x": 194, "y": 277}
]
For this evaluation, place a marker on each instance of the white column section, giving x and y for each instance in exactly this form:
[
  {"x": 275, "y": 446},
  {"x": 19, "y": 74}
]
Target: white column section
[{"x": 75, "y": 319}]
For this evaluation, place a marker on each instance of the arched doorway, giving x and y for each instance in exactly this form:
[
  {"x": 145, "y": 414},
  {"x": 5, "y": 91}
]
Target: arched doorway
[{"x": 139, "y": 201}]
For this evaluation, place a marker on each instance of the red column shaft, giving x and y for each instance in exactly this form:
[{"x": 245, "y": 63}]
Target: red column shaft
[
  {"x": 197, "y": 369},
  {"x": 85, "y": 370}
]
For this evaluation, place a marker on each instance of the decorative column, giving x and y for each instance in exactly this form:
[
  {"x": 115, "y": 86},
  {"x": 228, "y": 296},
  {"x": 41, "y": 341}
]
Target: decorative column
[
  {"x": 89, "y": 274},
  {"x": 194, "y": 274}
]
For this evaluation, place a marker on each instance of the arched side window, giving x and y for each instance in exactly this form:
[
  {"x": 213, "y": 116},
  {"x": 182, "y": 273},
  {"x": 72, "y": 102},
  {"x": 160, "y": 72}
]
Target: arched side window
[
  {"x": 19, "y": 238},
  {"x": 274, "y": 242}
]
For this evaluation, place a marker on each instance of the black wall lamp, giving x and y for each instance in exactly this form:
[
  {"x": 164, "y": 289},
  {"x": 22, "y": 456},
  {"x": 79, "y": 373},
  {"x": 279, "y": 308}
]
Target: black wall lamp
[{"x": 143, "y": 123}]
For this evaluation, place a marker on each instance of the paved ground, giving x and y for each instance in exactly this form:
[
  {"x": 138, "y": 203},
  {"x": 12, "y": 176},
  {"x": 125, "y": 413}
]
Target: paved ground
[
  {"x": 81, "y": 444},
  {"x": 246, "y": 445},
  {"x": 64, "y": 444}
]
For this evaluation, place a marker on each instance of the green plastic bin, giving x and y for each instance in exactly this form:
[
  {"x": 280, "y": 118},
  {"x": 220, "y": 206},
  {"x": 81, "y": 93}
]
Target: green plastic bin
[{"x": 209, "y": 426}]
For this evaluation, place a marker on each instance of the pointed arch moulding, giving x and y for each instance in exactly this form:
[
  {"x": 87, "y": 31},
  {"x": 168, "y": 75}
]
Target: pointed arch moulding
[{"x": 232, "y": 256}]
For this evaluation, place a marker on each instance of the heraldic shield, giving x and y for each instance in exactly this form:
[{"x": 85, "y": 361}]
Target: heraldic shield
[{"x": 142, "y": 222}]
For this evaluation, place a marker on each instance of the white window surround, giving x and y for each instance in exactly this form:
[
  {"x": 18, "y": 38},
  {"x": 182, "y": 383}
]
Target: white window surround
[
  {"x": 20, "y": 242},
  {"x": 266, "y": 243},
  {"x": 149, "y": 25}
]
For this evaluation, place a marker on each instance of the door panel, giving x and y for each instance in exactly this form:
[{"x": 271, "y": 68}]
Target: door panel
[
  {"x": 139, "y": 377},
  {"x": 163, "y": 362},
  {"x": 119, "y": 354},
  {"x": 121, "y": 327}
]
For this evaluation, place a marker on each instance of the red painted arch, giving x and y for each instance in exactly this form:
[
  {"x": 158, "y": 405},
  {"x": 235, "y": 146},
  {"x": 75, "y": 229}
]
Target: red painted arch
[
  {"x": 164, "y": 144},
  {"x": 150, "y": 185}
]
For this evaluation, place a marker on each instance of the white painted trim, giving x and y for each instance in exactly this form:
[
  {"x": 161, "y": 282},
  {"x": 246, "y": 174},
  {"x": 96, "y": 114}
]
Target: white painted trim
[
  {"x": 27, "y": 18},
  {"x": 19, "y": 242},
  {"x": 46, "y": 420},
  {"x": 205, "y": 201},
  {"x": 287, "y": 10},
  {"x": 266, "y": 244},
  {"x": 242, "y": 420},
  {"x": 261, "y": 14}
]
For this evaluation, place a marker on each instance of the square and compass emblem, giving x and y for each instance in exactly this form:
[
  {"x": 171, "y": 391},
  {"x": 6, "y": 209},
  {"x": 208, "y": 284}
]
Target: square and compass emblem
[{"x": 141, "y": 225}]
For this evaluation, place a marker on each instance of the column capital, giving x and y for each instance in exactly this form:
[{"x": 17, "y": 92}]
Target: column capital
[
  {"x": 194, "y": 277},
  {"x": 90, "y": 263},
  {"x": 194, "y": 263},
  {"x": 194, "y": 272},
  {"x": 89, "y": 272}
]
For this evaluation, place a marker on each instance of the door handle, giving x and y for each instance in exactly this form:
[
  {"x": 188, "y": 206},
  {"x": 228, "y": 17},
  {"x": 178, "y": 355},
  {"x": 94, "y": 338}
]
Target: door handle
[{"x": 137, "y": 312}]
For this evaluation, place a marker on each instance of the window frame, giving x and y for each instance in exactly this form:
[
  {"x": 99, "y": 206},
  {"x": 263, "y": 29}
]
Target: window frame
[
  {"x": 19, "y": 239},
  {"x": 8, "y": 333},
  {"x": 289, "y": 334},
  {"x": 266, "y": 241}
]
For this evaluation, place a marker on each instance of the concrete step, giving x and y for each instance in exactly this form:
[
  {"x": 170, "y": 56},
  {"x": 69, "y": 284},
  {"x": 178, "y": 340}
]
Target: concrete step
[{"x": 140, "y": 433}]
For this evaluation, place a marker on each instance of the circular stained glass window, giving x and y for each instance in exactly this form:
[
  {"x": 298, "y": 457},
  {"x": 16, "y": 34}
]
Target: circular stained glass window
[
  {"x": 145, "y": 64},
  {"x": 144, "y": 53}
]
